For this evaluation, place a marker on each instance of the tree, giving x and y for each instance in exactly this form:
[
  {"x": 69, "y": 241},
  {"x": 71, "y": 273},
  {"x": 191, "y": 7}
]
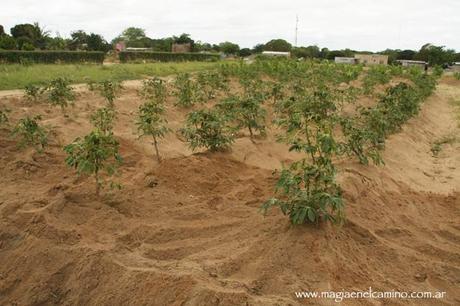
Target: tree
[
  {"x": 7, "y": 42},
  {"x": 258, "y": 48},
  {"x": 245, "y": 52},
  {"x": 184, "y": 39},
  {"x": 229, "y": 48},
  {"x": 2, "y": 30},
  {"x": 202, "y": 47},
  {"x": 278, "y": 45},
  {"x": 78, "y": 40},
  {"x": 29, "y": 34},
  {"x": 435, "y": 55},
  {"x": 306, "y": 52},
  {"x": 133, "y": 37},
  {"x": 406, "y": 54},
  {"x": 94, "y": 153}
]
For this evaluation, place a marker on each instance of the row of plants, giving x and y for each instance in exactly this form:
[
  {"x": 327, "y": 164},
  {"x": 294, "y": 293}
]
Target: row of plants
[
  {"x": 308, "y": 101},
  {"x": 147, "y": 56},
  {"x": 50, "y": 57}
]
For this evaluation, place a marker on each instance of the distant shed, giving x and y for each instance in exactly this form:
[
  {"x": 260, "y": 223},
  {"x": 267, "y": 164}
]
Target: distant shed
[
  {"x": 371, "y": 59},
  {"x": 276, "y": 53},
  {"x": 411, "y": 63},
  {"x": 345, "y": 60}
]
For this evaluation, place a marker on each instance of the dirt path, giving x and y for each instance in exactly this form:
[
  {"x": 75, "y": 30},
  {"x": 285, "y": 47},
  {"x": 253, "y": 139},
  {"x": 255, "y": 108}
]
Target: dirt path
[{"x": 189, "y": 231}]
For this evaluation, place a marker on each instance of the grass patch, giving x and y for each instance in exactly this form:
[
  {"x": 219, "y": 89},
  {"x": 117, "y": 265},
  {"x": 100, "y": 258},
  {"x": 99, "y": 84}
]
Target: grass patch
[{"x": 16, "y": 76}]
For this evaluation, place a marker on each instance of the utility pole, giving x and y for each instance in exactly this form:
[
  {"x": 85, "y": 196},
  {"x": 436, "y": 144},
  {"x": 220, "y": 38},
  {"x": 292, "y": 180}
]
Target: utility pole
[{"x": 296, "y": 28}]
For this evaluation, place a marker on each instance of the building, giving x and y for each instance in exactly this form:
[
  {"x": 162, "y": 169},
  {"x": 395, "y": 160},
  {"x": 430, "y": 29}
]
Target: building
[
  {"x": 410, "y": 63},
  {"x": 345, "y": 60},
  {"x": 371, "y": 59},
  {"x": 276, "y": 53},
  {"x": 181, "y": 48}
]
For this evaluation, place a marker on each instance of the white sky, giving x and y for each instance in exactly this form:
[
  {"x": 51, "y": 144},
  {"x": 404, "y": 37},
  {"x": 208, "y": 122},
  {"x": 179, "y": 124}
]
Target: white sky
[{"x": 357, "y": 24}]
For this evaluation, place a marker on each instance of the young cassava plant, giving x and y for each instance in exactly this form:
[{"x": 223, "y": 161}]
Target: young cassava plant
[
  {"x": 34, "y": 92},
  {"x": 94, "y": 154},
  {"x": 103, "y": 119},
  {"x": 60, "y": 93},
  {"x": 154, "y": 89},
  {"x": 209, "y": 129},
  {"x": 30, "y": 133},
  {"x": 109, "y": 90},
  {"x": 246, "y": 111},
  {"x": 152, "y": 122}
]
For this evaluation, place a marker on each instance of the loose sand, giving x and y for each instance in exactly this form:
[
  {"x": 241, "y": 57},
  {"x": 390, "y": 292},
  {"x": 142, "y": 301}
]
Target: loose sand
[{"x": 189, "y": 231}]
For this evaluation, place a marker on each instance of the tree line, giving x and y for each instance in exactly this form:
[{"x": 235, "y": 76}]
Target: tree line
[{"x": 34, "y": 37}]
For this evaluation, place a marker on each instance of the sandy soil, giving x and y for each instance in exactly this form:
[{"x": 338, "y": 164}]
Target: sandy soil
[{"x": 189, "y": 231}]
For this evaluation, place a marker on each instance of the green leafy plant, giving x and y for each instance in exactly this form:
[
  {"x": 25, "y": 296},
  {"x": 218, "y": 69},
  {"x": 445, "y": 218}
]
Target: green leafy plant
[
  {"x": 209, "y": 129},
  {"x": 154, "y": 89},
  {"x": 309, "y": 190},
  {"x": 209, "y": 83},
  {"x": 109, "y": 90},
  {"x": 94, "y": 154},
  {"x": 60, "y": 93},
  {"x": 247, "y": 112},
  {"x": 186, "y": 90},
  {"x": 457, "y": 75},
  {"x": 31, "y": 133},
  {"x": 151, "y": 122},
  {"x": 33, "y": 92},
  {"x": 103, "y": 119},
  {"x": 3, "y": 117},
  {"x": 310, "y": 193}
]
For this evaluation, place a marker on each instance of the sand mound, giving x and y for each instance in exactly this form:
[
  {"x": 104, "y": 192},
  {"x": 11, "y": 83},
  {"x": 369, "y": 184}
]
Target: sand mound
[{"x": 189, "y": 231}]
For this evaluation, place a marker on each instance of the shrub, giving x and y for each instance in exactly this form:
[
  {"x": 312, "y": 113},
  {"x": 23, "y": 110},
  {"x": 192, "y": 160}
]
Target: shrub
[
  {"x": 60, "y": 93},
  {"x": 151, "y": 122},
  {"x": 209, "y": 129},
  {"x": 130, "y": 56},
  {"x": 30, "y": 133},
  {"x": 94, "y": 153},
  {"x": 51, "y": 57}
]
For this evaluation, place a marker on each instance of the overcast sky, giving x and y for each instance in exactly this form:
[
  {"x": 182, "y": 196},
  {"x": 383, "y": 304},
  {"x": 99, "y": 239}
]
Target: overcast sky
[{"x": 336, "y": 24}]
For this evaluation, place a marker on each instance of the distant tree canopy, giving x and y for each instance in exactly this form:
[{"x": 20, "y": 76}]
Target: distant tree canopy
[
  {"x": 244, "y": 52},
  {"x": 29, "y": 36},
  {"x": 278, "y": 45},
  {"x": 229, "y": 48},
  {"x": 80, "y": 40},
  {"x": 306, "y": 52},
  {"x": 435, "y": 55}
]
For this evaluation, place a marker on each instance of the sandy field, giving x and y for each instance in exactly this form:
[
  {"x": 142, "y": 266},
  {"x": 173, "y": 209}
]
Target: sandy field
[{"x": 189, "y": 231}]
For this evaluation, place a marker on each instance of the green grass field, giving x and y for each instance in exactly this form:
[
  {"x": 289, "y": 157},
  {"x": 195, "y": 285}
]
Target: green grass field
[{"x": 18, "y": 76}]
